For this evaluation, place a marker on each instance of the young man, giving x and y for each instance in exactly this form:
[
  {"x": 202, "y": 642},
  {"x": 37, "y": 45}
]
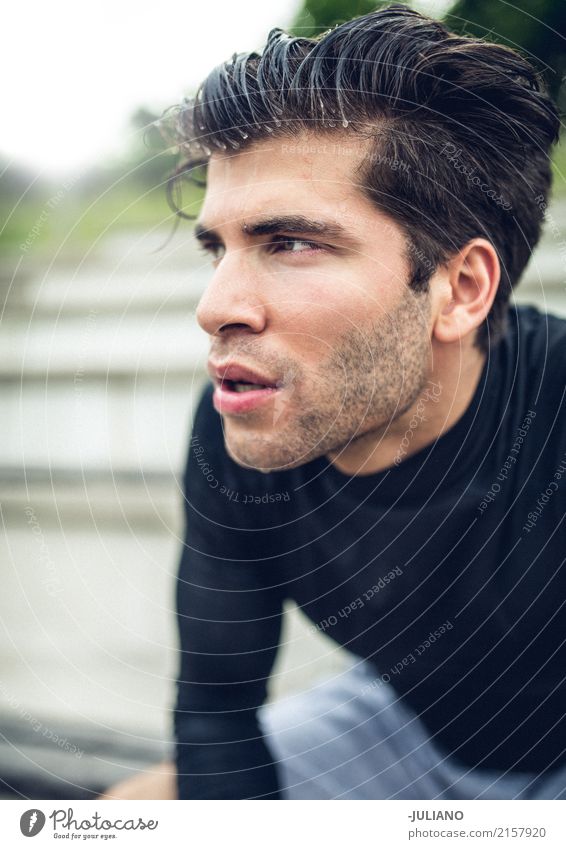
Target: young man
[{"x": 383, "y": 438}]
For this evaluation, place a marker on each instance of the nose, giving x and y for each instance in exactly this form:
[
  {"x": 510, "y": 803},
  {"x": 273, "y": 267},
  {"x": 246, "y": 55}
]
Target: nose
[{"x": 232, "y": 299}]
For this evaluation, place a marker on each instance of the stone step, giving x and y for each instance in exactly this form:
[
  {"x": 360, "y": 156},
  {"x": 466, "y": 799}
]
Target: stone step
[
  {"x": 94, "y": 424},
  {"x": 108, "y": 346}
]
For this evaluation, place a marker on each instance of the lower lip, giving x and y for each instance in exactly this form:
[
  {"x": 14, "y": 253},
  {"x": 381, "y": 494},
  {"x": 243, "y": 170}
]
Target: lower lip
[{"x": 227, "y": 401}]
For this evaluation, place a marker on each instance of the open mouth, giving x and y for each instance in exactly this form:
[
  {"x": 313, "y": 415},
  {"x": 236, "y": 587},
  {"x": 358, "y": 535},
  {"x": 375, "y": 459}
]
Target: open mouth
[
  {"x": 240, "y": 389},
  {"x": 243, "y": 386}
]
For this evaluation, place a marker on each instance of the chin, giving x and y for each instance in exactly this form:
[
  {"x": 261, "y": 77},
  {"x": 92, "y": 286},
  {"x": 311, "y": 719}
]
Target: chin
[{"x": 251, "y": 454}]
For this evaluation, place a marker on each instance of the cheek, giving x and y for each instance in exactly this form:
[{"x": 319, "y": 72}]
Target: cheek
[
  {"x": 312, "y": 311},
  {"x": 319, "y": 303},
  {"x": 309, "y": 328}
]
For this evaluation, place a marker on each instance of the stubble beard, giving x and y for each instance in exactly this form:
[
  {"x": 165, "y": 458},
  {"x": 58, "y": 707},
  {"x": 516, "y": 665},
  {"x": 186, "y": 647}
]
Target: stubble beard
[{"x": 369, "y": 380}]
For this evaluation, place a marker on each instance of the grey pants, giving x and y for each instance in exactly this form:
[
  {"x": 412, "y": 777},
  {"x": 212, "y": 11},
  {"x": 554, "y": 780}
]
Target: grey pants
[{"x": 344, "y": 739}]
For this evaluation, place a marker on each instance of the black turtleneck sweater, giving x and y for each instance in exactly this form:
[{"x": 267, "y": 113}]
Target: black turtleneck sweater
[{"x": 446, "y": 571}]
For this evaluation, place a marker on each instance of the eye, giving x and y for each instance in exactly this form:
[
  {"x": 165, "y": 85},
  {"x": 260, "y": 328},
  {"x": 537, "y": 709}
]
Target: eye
[
  {"x": 288, "y": 245},
  {"x": 215, "y": 250}
]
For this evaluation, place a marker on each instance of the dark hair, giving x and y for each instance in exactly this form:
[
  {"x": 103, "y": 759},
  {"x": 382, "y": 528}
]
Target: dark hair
[{"x": 461, "y": 131}]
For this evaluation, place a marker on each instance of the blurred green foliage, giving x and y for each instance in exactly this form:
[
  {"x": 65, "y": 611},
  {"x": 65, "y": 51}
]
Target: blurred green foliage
[
  {"x": 535, "y": 27},
  {"x": 39, "y": 215},
  {"x": 316, "y": 16}
]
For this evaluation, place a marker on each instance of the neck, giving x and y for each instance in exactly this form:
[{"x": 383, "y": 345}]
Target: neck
[{"x": 443, "y": 400}]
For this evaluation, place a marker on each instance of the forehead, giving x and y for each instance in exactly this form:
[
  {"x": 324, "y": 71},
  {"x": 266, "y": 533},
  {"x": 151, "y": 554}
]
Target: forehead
[{"x": 309, "y": 172}]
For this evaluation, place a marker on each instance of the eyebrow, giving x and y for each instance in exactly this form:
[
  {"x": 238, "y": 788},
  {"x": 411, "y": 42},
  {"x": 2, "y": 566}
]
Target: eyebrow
[{"x": 283, "y": 223}]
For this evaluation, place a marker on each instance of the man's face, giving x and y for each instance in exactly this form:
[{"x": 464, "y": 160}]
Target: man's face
[{"x": 310, "y": 293}]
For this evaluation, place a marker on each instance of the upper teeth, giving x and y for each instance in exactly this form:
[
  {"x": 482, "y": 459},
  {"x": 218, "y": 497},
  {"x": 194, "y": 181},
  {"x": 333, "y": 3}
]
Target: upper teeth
[{"x": 245, "y": 387}]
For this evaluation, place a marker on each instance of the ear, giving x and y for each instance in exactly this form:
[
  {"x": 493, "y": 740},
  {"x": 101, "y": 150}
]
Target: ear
[{"x": 473, "y": 277}]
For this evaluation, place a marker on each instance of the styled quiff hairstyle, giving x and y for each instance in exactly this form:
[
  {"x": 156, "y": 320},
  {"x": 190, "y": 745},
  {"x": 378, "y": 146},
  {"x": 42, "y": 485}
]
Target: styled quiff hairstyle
[{"x": 461, "y": 131}]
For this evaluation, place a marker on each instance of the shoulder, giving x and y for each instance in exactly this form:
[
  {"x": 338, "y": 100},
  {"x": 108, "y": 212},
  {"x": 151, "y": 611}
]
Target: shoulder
[{"x": 540, "y": 339}]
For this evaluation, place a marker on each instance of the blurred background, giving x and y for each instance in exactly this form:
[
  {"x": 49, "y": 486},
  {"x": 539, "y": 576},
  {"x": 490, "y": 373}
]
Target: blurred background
[{"x": 101, "y": 362}]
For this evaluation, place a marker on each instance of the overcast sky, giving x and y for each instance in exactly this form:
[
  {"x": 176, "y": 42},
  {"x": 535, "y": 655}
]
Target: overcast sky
[{"x": 73, "y": 72}]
